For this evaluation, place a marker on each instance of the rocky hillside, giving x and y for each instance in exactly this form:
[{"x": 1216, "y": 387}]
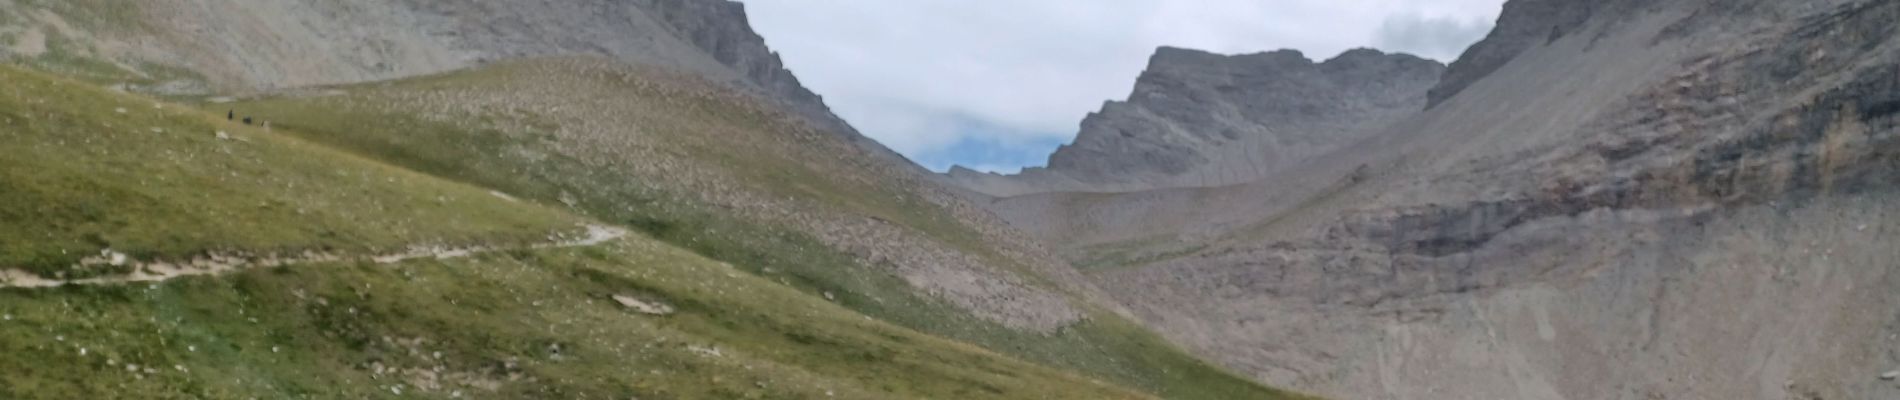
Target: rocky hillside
[
  {"x": 155, "y": 250},
  {"x": 1626, "y": 199},
  {"x": 753, "y": 248},
  {"x": 202, "y": 47},
  {"x": 721, "y": 174},
  {"x": 1198, "y": 119}
]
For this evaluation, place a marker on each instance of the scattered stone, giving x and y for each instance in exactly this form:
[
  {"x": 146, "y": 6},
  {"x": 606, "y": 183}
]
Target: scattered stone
[
  {"x": 223, "y": 136},
  {"x": 706, "y": 351},
  {"x": 644, "y": 307},
  {"x": 115, "y": 258},
  {"x": 120, "y": 110},
  {"x": 1890, "y": 375},
  {"x": 829, "y": 296}
]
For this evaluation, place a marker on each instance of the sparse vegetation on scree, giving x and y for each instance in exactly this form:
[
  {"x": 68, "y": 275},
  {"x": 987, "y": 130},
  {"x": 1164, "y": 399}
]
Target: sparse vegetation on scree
[{"x": 516, "y": 151}]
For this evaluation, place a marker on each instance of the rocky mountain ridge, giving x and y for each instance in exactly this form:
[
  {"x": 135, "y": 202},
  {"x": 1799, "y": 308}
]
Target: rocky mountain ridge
[
  {"x": 666, "y": 117},
  {"x": 1627, "y": 199},
  {"x": 1198, "y": 119},
  {"x": 225, "y": 46}
]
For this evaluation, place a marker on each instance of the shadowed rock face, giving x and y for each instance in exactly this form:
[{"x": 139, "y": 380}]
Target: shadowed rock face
[
  {"x": 1199, "y": 119},
  {"x": 722, "y": 30},
  {"x": 1522, "y": 25}
]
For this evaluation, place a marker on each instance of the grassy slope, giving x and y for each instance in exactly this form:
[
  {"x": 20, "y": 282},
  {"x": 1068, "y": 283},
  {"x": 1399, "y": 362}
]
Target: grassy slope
[
  {"x": 521, "y": 324},
  {"x": 1106, "y": 347},
  {"x": 530, "y": 324},
  {"x": 87, "y": 170}
]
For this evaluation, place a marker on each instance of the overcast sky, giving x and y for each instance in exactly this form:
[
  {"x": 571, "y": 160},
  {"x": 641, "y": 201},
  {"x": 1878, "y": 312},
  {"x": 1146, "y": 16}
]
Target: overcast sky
[{"x": 998, "y": 84}]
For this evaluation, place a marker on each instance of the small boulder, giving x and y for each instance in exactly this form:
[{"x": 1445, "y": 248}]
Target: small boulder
[
  {"x": 223, "y": 136},
  {"x": 114, "y": 258},
  {"x": 642, "y": 306},
  {"x": 1890, "y": 375}
]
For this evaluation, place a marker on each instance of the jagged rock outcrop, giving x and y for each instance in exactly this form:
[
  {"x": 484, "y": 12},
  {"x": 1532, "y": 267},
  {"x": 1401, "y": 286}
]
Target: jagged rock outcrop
[
  {"x": 722, "y": 30},
  {"x": 1521, "y": 26},
  {"x": 1199, "y": 119}
]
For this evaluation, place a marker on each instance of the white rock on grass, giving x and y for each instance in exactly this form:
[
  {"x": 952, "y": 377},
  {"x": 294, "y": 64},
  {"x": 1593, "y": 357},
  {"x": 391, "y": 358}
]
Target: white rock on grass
[
  {"x": 223, "y": 136},
  {"x": 115, "y": 258},
  {"x": 706, "y": 351},
  {"x": 1890, "y": 375},
  {"x": 644, "y": 307}
]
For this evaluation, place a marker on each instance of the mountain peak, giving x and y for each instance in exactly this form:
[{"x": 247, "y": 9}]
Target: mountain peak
[{"x": 1198, "y": 118}]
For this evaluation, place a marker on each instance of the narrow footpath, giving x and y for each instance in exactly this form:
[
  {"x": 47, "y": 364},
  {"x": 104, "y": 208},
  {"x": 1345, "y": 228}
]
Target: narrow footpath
[{"x": 219, "y": 264}]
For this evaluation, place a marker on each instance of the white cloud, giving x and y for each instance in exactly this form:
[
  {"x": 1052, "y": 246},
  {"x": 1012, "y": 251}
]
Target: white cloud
[
  {"x": 1435, "y": 37},
  {"x": 913, "y": 73}
]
